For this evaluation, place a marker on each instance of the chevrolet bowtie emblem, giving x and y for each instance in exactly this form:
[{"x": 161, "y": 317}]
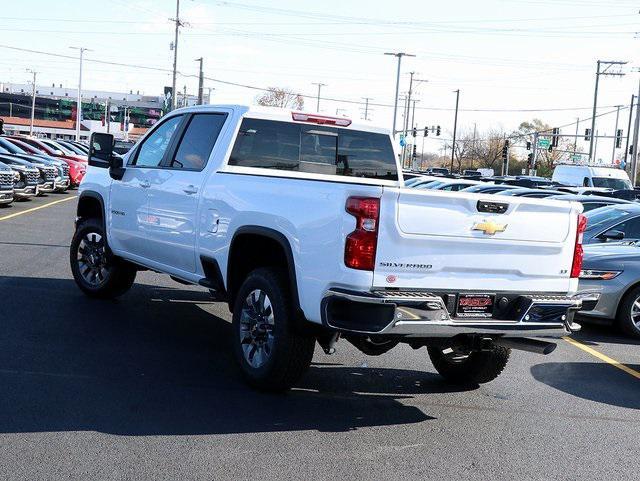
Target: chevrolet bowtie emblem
[{"x": 489, "y": 227}]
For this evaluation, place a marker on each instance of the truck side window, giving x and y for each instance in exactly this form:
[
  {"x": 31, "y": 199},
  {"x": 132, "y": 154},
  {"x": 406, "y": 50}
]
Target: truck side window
[
  {"x": 267, "y": 144},
  {"x": 154, "y": 147},
  {"x": 198, "y": 141}
]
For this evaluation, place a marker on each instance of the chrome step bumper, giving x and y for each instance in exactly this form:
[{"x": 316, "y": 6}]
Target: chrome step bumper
[{"x": 422, "y": 314}]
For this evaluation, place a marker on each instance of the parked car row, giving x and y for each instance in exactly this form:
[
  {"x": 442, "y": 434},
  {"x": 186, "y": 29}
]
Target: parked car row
[
  {"x": 610, "y": 276},
  {"x": 31, "y": 167}
]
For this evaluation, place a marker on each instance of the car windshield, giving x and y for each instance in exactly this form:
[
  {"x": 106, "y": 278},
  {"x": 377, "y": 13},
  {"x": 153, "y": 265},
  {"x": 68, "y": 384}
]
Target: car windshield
[
  {"x": 611, "y": 183},
  {"x": 603, "y": 216}
]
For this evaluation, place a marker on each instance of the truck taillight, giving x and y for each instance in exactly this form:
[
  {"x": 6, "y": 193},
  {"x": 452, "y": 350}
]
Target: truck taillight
[
  {"x": 578, "y": 252},
  {"x": 360, "y": 246}
]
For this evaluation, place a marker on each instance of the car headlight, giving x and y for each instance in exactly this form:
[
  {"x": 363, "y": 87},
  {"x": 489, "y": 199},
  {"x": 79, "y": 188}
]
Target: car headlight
[{"x": 601, "y": 275}]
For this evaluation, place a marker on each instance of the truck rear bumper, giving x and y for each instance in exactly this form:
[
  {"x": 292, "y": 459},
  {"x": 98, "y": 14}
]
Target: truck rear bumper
[{"x": 425, "y": 315}]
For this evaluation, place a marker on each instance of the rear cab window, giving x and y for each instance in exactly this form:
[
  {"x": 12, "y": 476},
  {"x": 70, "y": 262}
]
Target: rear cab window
[{"x": 318, "y": 149}]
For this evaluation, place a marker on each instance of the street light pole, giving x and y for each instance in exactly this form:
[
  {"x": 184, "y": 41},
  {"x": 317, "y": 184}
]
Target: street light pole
[
  {"x": 320, "y": 85},
  {"x": 455, "y": 128},
  {"x": 399, "y": 55},
  {"x": 82, "y": 50},
  {"x": 626, "y": 147},
  {"x": 33, "y": 101}
]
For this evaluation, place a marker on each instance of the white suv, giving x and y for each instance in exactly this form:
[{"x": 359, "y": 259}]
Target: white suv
[{"x": 302, "y": 224}]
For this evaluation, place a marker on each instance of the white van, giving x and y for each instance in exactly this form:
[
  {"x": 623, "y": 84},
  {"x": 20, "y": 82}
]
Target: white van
[{"x": 587, "y": 176}]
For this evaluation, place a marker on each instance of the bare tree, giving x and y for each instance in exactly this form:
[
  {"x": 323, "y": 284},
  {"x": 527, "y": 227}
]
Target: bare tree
[
  {"x": 546, "y": 159},
  {"x": 281, "y": 97}
]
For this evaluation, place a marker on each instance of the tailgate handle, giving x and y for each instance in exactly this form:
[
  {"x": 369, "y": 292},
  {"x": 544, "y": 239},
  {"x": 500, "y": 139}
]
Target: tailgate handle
[{"x": 492, "y": 207}]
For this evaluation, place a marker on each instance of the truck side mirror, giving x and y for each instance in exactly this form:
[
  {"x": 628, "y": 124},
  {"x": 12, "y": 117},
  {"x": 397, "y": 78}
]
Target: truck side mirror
[
  {"x": 611, "y": 235},
  {"x": 100, "y": 149}
]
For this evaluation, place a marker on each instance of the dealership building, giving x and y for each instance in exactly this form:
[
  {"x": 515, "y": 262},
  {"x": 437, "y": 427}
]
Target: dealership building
[{"x": 125, "y": 115}]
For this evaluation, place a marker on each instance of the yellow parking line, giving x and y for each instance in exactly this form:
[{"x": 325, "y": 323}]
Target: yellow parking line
[
  {"x": 603, "y": 357},
  {"x": 10, "y": 216}
]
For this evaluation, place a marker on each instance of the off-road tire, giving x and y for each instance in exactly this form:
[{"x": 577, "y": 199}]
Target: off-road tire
[
  {"x": 478, "y": 368},
  {"x": 292, "y": 349},
  {"x": 120, "y": 273}
]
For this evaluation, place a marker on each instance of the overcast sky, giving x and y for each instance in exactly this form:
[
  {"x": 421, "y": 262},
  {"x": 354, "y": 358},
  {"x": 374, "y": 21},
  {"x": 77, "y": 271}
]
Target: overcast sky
[{"x": 501, "y": 54}]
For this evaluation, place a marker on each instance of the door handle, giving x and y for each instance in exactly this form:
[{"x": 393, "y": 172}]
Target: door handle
[
  {"x": 190, "y": 189},
  {"x": 145, "y": 184}
]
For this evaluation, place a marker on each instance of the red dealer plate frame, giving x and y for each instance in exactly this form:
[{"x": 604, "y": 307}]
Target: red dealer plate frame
[{"x": 475, "y": 306}]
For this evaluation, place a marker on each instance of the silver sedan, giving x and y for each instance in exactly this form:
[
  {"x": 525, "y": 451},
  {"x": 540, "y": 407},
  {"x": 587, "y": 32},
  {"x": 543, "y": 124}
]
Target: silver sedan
[{"x": 612, "y": 272}]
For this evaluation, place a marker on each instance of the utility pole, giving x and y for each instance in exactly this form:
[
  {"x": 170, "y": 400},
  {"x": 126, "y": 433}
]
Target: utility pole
[
  {"x": 636, "y": 128},
  {"x": 33, "y": 102},
  {"x": 399, "y": 55},
  {"x": 184, "y": 96},
  {"x": 179, "y": 24},
  {"x": 455, "y": 128},
  {"x": 366, "y": 107},
  {"x": 320, "y": 85},
  {"x": 575, "y": 141},
  {"x": 626, "y": 147},
  {"x": 413, "y": 114},
  {"x": 615, "y": 133},
  {"x": 608, "y": 63},
  {"x": 406, "y": 117},
  {"x": 200, "y": 83},
  {"x": 82, "y": 50}
]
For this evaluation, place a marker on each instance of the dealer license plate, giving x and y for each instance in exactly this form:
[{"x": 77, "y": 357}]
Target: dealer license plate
[{"x": 475, "y": 305}]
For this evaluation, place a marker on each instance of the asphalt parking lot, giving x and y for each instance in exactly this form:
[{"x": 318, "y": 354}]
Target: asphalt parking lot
[{"x": 145, "y": 388}]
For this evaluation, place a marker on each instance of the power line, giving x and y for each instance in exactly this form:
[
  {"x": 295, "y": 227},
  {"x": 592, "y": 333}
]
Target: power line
[{"x": 308, "y": 96}]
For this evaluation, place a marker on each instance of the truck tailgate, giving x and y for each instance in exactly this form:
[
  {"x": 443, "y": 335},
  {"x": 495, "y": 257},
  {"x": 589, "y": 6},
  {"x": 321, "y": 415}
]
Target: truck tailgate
[{"x": 445, "y": 241}]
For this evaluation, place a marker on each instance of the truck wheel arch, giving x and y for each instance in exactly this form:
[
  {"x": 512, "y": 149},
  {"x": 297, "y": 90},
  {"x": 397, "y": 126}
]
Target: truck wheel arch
[
  {"x": 273, "y": 240},
  {"x": 91, "y": 205}
]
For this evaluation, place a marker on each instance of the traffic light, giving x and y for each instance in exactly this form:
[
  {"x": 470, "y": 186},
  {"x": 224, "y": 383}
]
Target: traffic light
[
  {"x": 587, "y": 134},
  {"x": 555, "y": 137},
  {"x": 415, "y": 132},
  {"x": 618, "y": 138},
  {"x": 528, "y": 146},
  {"x": 415, "y": 151},
  {"x": 438, "y": 130},
  {"x": 426, "y": 131},
  {"x": 529, "y": 160},
  {"x": 505, "y": 150},
  {"x": 550, "y": 148}
]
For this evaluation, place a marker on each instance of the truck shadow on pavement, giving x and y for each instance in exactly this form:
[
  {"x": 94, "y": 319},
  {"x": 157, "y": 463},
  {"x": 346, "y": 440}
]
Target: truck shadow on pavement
[
  {"x": 595, "y": 381},
  {"x": 158, "y": 362}
]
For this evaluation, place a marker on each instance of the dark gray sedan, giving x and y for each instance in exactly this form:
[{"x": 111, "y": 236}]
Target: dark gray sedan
[{"x": 612, "y": 272}]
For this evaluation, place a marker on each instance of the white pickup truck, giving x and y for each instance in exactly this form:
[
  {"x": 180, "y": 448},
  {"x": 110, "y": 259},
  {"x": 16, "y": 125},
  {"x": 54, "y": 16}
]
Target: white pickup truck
[{"x": 302, "y": 224}]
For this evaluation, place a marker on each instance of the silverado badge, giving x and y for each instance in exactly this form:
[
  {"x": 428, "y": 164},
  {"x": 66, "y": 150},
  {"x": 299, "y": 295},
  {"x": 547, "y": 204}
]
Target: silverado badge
[{"x": 489, "y": 227}]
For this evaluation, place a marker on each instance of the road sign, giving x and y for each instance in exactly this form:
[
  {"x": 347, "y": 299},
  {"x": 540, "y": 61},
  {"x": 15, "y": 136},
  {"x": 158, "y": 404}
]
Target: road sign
[
  {"x": 576, "y": 157},
  {"x": 544, "y": 143}
]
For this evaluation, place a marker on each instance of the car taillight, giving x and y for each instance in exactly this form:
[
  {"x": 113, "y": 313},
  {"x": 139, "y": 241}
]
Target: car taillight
[
  {"x": 360, "y": 246},
  {"x": 578, "y": 251}
]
